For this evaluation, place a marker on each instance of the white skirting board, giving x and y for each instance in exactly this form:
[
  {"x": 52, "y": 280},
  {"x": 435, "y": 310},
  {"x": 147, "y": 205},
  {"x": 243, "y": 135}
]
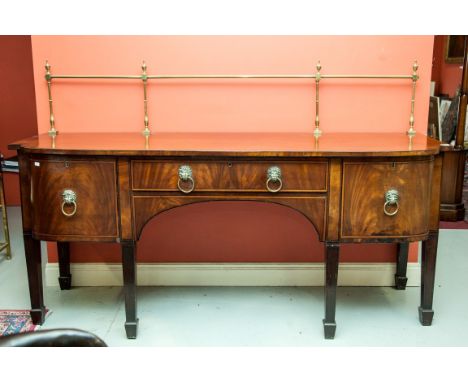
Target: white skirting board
[{"x": 234, "y": 274}]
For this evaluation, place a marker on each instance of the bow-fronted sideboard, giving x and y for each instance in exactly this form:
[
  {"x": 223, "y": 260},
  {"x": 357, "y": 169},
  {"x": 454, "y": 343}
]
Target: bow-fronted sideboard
[{"x": 352, "y": 187}]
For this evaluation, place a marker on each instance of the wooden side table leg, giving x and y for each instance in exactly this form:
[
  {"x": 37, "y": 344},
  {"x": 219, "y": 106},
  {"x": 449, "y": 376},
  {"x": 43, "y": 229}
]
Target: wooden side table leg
[
  {"x": 129, "y": 276},
  {"x": 32, "y": 249},
  {"x": 64, "y": 265},
  {"x": 428, "y": 264},
  {"x": 402, "y": 264},
  {"x": 332, "y": 251}
]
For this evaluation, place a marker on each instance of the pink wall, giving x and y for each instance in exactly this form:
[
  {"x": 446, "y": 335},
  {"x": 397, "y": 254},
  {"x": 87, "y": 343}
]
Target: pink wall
[
  {"x": 17, "y": 102},
  {"x": 226, "y": 232},
  {"x": 224, "y": 105}
]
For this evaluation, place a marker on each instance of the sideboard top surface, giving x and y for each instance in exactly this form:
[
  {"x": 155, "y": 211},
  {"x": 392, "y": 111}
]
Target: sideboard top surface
[{"x": 231, "y": 144}]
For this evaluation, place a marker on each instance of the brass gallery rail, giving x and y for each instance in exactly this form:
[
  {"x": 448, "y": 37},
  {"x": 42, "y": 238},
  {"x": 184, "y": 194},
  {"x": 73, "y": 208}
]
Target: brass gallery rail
[{"x": 144, "y": 77}]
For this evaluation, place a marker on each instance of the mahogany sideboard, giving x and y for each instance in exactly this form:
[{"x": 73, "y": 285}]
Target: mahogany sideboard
[{"x": 352, "y": 187}]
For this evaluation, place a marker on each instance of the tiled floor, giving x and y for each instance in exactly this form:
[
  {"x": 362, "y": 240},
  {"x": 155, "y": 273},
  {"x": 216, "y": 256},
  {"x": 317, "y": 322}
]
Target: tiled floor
[{"x": 256, "y": 316}]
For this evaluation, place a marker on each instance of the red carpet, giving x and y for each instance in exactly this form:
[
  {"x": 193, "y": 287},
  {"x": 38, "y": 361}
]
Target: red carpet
[{"x": 16, "y": 321}]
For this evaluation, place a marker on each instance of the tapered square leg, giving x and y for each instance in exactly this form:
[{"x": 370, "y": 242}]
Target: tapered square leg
[
  {"x": 425, "y": 316},
  {"x": 131, "y": 329},
  {"x": 329, "y": 329},
  {"x": 402, "y": 265},
  {"x": 332, "y": 251},
  {"x": 38, "y": 315},
  {"x": 64, "y": 265},
  {"x": 129, "y": 276},
  {"x": 428, "y": 265},
  {"x": 32, "y": 249}
]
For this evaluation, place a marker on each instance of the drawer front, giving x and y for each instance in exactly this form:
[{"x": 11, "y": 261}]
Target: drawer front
[
  {"x": 94, "y": 186},
  {"x": 365, "y": 187},
  {"x": 240, "y": 176}
]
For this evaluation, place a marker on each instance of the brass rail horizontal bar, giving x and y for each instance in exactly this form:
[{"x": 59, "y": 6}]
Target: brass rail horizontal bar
[
  {"x": 233, "y": 76},
  {"x": 94, "y": 77},
  {"x": 370, "y": 76},
  {"x": 311, "y": 76},
  {"x": 229, "y": 76}
]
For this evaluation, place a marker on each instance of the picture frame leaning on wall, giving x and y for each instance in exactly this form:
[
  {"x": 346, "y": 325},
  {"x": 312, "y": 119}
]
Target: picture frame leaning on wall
[{"x": 454, "y": 49}]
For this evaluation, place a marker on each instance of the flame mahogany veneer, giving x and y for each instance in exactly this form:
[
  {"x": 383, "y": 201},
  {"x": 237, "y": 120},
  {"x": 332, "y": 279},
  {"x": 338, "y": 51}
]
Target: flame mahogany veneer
[{"x": 122, "y": 181}]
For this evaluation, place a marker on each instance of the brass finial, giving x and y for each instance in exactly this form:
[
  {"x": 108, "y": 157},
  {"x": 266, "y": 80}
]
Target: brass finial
[
  {"x": 415, "y": 70},
  {"x": 143, "y": 67},
  {"x": 47, "y": 68},
  {"x": 317, "y": 75}
]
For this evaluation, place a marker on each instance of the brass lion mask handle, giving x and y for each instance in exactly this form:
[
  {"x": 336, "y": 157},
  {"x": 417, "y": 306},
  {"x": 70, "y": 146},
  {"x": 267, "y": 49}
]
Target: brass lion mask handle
[
  {"x": 391, "y": 200},
  {"x": 186, "y": 176},
  {"x": 69, "y": 197},
  {"x": 274, "y": 176}
]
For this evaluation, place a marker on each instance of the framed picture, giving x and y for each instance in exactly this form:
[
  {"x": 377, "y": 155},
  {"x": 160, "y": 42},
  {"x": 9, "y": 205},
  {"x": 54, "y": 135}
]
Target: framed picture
[
  {"x": 449, "y": 123},
  {"x": 454, "y": 49}
]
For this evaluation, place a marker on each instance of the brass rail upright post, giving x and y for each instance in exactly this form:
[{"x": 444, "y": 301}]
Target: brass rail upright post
[
  {"x": 411, "y": 132},
  {"x": 52, "y": 132},
  {"x": 317, "y": 131},
  {"x": 146, "y": 132}
]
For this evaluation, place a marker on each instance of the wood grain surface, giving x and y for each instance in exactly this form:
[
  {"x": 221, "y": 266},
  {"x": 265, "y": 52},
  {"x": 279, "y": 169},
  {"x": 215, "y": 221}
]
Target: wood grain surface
[
  {"x": 364, "y": 188},
  {"x": 240, "y": 176},
  {"x": 94, "y": 182},
  {"x": 232, "y": 144}
]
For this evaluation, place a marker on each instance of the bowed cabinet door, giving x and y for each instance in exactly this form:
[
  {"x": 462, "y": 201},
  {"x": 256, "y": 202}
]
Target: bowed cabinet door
[
  {"x": 74, "y": 200},
  {"x": 386, "y": 199}
]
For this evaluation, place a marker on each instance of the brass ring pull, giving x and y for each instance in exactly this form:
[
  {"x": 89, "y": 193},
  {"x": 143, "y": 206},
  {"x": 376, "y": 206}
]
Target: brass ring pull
[
  {"x": 185, "y": 175},
  {"x": 391, "y": 199},
  {"x": 274, "y": 176},
  {"x": 69, "y": 197}
]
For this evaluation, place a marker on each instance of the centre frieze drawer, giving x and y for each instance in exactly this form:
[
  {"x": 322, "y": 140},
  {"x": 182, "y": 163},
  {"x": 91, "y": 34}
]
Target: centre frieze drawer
[{"x": 238, "y": 176}]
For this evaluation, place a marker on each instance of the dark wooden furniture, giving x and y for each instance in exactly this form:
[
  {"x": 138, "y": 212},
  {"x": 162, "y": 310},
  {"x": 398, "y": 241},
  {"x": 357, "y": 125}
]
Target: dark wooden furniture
[
  {"x": 453, "y": 159},
  {"x": 53, "y": 338},
  {"x": 361, "y": 187}
]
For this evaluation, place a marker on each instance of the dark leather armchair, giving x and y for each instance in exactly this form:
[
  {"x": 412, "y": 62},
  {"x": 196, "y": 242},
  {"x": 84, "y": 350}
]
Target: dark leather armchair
[{"x": 53, "y": 338}]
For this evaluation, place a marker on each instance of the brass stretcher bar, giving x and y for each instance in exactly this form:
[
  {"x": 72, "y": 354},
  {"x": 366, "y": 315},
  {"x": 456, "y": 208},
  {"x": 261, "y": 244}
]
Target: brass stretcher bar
[{"x": 318, "y": 76}]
